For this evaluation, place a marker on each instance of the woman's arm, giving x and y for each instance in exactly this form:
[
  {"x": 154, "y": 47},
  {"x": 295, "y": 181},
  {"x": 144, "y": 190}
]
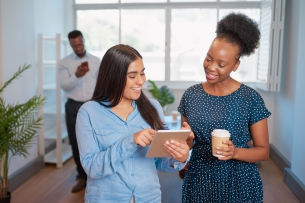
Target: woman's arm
[
  {"x": 185, "y": 125},
  {"x": 67, "y": 80},
  {"x": 180, "y": 153},
  {"x": 259, "y": 151},
  {"x": 169, "y": 164}
]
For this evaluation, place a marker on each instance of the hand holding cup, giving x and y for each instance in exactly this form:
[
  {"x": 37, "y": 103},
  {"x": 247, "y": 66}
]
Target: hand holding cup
[
  {"x": 226, "y": 152},
  {"x": 222, "y": 146}
]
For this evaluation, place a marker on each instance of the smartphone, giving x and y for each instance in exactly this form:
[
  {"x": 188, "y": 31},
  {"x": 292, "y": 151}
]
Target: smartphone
[{"x": 85, "y": 64}]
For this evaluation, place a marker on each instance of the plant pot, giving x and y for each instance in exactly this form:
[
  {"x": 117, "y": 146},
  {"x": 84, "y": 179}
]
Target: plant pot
[{"x": 6, "y": 199}]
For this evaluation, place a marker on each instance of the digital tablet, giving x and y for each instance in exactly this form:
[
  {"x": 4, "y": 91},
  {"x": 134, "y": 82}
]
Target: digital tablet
[{"x": 156, "y": 148}]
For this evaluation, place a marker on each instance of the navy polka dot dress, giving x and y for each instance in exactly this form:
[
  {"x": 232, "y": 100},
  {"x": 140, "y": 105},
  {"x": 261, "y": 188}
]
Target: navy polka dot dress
[{"x": 207, "y": 179}]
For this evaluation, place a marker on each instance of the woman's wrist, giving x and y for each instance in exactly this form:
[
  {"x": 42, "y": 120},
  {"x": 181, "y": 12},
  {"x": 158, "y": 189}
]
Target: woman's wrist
[
  {"x": 235, "y": 153},
  {"x": 191, "y": 144}
]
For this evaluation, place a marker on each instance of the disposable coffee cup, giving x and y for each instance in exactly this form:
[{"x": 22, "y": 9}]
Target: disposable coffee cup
[
  {"x": 218, "y": 136},
  {"x": 175, "y": 115}
]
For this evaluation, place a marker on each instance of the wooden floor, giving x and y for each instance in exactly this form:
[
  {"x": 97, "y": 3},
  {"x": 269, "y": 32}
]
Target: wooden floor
[{"x": 52, "y": 185}]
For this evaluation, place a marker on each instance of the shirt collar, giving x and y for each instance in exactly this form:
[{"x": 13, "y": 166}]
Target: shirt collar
[
  {"x": 77, "y": 57},
  {"x": 134, "y": 105}
]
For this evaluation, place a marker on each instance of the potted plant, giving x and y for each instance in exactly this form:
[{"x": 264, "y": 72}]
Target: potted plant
[
  {"x": 18, "y": 126},
  {"x": 163, "y": 94}
]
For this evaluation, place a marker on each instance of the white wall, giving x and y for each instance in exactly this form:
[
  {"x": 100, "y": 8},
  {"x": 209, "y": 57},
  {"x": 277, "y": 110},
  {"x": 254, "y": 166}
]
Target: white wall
[
  {"x": 18, "y": 46},
  {"x": 285, "y": 100},
  {"x": 289, "y": 111},
  {"x": 20, "y": 22},
  {"x": 1, "y": 48},
  {"x": 298, "y": 150},
  {"x": 50, "y": 17}
]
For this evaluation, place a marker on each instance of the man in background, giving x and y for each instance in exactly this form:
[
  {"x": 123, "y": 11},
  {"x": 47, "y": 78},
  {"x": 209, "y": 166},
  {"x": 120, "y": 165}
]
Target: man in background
[{"x": 77, "y": 74}]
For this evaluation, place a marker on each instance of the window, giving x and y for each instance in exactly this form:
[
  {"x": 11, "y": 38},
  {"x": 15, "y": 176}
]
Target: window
[
  {"x": 271, "y": 45},
  {"x": 173, "y": 36}
]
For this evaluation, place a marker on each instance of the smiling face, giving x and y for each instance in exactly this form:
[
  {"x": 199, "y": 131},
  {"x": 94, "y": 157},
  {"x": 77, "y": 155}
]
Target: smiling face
[
  {"x": 78, "y": 46},
  {"x": 135, "y": 80},
  {"x": 221, "y": 60}
]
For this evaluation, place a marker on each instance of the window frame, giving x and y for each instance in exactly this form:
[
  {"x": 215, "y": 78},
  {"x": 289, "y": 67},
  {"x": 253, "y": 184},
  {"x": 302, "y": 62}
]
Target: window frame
[{"x": 273, "y": 45}]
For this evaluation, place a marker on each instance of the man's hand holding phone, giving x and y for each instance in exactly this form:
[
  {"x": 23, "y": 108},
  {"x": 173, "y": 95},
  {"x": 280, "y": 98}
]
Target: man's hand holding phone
[{"x": 82, "y": 69}]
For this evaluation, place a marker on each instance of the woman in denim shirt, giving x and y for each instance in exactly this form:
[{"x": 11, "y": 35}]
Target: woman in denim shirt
[{"x": 114, "y": 131}]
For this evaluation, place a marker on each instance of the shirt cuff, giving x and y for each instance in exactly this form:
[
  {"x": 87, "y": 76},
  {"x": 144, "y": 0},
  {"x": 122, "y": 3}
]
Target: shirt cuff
[
  {"x": 179, "y": 165},
  {"x": 130, "y": 145}
]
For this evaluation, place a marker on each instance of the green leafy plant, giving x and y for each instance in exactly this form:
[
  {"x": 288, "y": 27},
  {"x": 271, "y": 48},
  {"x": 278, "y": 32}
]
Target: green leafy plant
[
  {"x": 18, "y": 128},
  {"x": 163, "y": 94}
]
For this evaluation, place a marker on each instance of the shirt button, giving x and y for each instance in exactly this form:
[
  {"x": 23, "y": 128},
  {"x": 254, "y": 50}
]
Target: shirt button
[{"x": 132, "y": 174}]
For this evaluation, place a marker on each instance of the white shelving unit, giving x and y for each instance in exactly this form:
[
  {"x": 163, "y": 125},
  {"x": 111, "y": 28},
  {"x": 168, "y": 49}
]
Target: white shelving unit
[{"x": 50, "y": 51}]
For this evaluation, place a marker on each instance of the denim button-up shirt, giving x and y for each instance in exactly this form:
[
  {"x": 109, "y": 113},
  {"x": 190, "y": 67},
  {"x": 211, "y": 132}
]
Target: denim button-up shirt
[{"x": 117, "y": 168}]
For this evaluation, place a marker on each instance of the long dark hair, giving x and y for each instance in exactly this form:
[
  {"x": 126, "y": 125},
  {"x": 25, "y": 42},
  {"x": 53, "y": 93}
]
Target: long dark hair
[{"x": 111, "y": 83}]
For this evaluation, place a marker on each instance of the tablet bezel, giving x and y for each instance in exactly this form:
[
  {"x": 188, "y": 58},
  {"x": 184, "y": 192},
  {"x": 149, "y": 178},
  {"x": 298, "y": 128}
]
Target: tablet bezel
[{"x": 156, "y": 148}]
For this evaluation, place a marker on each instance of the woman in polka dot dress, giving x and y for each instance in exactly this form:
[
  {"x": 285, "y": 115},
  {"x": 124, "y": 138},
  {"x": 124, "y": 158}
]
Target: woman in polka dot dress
[{"x": 224, "y": 103}]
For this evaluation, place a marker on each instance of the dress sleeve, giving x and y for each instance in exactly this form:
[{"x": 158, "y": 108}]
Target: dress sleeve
[
  {"x": 182, "y": 106},
  {"x": 258, "y": 109}
]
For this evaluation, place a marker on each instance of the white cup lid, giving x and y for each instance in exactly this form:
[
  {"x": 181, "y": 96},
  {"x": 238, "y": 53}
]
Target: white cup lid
[{"x": 220, "y": 133}]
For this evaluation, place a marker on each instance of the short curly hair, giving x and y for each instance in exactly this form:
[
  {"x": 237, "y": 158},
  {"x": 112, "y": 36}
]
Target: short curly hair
[
  {"x": 75, "y": 33},
  {"x": 240, "y": 30}
]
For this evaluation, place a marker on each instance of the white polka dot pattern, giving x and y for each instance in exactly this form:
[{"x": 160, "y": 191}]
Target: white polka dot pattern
[{"x": 207, "y": 179}]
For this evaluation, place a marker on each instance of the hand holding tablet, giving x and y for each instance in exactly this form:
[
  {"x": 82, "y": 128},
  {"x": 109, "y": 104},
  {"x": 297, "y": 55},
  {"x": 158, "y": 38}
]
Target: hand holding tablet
[{"x": 157, "y": 149}]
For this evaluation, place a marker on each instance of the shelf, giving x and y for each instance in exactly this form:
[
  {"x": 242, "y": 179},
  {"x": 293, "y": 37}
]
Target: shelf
[
  {"x": 66, "y": 154},
  {"x": 52, "y": 110},
  {"x": 52, "y": 39},
  {"x": 49, "y": 109},
  {"x": 54, "y": 131},
  {"x": 49, "y": 62},
  {"x": 49, "y": 87},
  {"x": 46, "y": 38},
  {"x": 52, "y": 135}
]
